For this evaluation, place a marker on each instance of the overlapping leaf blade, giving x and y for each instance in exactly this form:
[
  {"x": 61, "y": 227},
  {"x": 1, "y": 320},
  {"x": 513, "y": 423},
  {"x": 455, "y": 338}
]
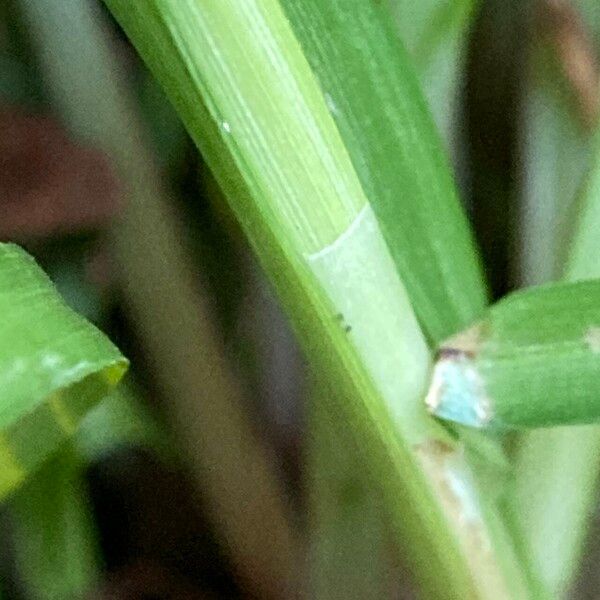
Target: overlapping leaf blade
[
  {"x": 557, "y": 470},
  {"x": 54, "y": 366},
  {"x": 397, "y": 155}
]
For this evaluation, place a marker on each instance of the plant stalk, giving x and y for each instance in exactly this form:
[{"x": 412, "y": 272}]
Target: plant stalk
[{"x": 238, "y": 77}]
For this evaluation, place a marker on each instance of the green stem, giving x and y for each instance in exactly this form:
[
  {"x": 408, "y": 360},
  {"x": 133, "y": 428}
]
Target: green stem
[
  {"x": 351, "y": 555},
  {"x": 238, "y": 77},
  {"x": 349, "y": 524}
]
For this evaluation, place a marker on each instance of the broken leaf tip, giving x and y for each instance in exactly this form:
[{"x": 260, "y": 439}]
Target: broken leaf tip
[{"x": 457, "y": 392}]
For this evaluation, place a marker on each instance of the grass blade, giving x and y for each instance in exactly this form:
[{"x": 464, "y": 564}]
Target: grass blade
[
  {"x": 557, "y": 470},
  {"x": 53, "y": 534},
  {"x": 240, "y": 81},
  {"x": 412, "y": 195},
  {"x": 533, "y": 361},
  {"x": 54, "y": 367}
]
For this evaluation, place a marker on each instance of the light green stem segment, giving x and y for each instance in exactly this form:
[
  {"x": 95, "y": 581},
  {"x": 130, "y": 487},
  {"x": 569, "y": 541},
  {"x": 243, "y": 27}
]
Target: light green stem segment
[
  {"x": 54, "y": 367},
  {"x": 534, "y": 361},
  {"x": 52, "y": 529},
  {"x": 352, "y": 555},
  {"x": 239, "y": 79}
]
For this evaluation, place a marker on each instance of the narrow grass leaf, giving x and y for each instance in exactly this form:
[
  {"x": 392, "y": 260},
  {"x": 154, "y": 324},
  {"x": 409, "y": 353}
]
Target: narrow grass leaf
[
  {"x": 557, "y": 469},
  {"x": 533, "y": 361},
  {"x": 53, "y": 536},
  {"x": 54, "y": 367},
  {"x": 372, "y": 93}
]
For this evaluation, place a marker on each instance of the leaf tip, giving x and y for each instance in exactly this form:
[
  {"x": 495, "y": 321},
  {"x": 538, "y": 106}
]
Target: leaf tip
[{"x": 457, "y": 392}]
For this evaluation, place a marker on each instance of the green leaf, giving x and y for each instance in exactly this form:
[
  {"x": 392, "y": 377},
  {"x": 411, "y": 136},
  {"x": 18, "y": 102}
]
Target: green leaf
[
  {"x": 372, "y": 93},
  {"x": 54, "y": 366},
  {"x": 53, "y": 535},
  {"x": 122, "y": 419},
  {"x": 557, "y": 469},
  {"x": 533, "y": 361}
]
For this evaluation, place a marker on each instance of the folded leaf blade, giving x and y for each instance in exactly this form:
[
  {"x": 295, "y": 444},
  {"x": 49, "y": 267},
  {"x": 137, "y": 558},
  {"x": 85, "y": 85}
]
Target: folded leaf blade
[{"x": 54, "y": 366}]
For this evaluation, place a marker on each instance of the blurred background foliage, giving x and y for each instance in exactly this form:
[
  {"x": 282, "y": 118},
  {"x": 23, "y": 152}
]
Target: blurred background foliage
[{"x": 132, "y": 508}]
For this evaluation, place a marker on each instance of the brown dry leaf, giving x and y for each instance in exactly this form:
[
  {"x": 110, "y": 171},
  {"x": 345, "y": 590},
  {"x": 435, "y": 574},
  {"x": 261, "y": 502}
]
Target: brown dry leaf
[{"x": 48, "y": 184}]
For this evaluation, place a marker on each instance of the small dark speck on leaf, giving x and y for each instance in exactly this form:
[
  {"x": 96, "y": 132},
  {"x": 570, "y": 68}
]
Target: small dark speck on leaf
[{"x": 340, "y": 317}]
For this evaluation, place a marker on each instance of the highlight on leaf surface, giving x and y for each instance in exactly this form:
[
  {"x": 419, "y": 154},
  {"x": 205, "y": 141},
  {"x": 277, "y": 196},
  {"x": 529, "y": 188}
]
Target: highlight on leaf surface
[
  {"x": 54, "y": 367},
  {"x": 533, "y": 361}
]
